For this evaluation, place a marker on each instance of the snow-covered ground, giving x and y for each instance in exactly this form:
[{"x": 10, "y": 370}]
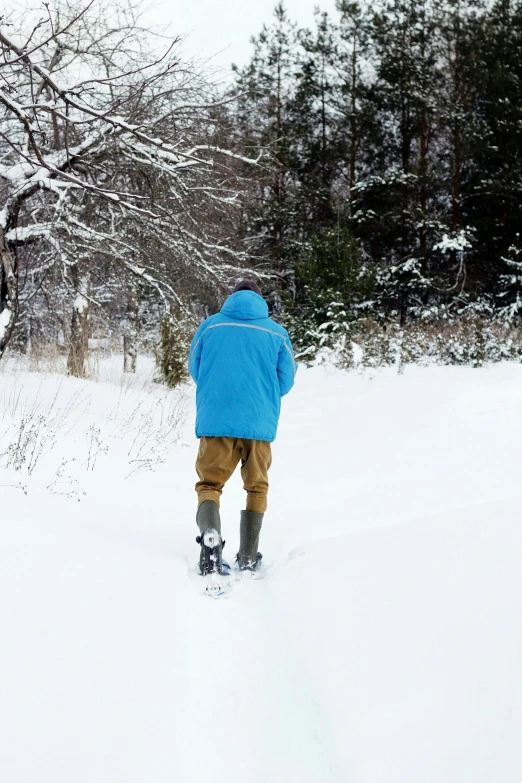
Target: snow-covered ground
[{"x": 384, "y": 646}]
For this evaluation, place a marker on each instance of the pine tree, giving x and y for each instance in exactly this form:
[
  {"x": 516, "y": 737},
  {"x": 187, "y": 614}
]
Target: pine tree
[
  {"x": 265, "y": 88},
  {"x": 494, "y": 206},
  {"x": 397, "y": 202},
  {"x": 172, "y": 351},
  {"x": 458, "y": 20},
  {"x": 352, "y": 98},
  {"x": 316, "y": 128},
  {"x": 510, "y": 284}
]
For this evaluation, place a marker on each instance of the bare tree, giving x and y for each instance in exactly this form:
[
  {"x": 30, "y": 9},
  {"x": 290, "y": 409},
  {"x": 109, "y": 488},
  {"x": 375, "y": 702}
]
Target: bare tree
[{"x": 108, "y": 148}]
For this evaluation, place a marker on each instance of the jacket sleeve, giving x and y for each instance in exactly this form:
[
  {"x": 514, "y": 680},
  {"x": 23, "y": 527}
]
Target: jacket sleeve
[
  {"x": 286, "y": 366},
  {"x": 196, "y": 348}
]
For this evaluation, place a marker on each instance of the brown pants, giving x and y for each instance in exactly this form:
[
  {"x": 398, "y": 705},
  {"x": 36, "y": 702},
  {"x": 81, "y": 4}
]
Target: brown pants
[{"x": 217, "y": 460}]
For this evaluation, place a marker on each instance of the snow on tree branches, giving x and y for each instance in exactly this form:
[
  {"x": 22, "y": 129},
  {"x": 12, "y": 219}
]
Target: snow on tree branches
[{"x": 113, "y": 161}]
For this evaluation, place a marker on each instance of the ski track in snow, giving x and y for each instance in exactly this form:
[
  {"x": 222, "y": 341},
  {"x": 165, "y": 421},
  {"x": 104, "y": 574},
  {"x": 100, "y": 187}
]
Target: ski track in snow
[
  {"x": 382, "y": 647},
  {"x": 266, "y": 693}
]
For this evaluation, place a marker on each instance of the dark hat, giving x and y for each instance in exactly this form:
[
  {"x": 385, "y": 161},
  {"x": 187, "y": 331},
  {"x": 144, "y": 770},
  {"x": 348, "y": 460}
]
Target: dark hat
[{"x": 247, "y": 285}]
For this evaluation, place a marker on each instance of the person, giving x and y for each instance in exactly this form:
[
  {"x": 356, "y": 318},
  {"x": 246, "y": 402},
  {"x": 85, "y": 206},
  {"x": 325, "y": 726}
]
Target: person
[{"x": 242, "y": 363}]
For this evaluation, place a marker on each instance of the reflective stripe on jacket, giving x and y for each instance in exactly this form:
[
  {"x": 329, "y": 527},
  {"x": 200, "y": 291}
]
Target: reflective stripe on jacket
[{"x": 242, "y": 363}]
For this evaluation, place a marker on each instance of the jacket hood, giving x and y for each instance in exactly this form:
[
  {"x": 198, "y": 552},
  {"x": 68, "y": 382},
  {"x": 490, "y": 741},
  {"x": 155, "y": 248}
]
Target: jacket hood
[{"x": 245, "y": 306}]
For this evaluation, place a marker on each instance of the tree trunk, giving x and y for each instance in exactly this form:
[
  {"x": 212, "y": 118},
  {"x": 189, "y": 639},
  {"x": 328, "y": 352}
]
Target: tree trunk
[
  {"x": 353, "y": 121},
  {"x": 130, "y": 334},
  {"x": 79, "y": 339},
  {"x": 8, "y": 293},
  {"x": 423, "y": 175}
]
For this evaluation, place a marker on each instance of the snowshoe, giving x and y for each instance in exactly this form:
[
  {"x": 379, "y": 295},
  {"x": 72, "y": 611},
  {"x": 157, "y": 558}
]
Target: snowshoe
[
  {"x": 251, "y": 565},
  {"x": 214, "y": 570},
  {"x": 211, "y": 558},
  {"x": 250, "y": 570}
]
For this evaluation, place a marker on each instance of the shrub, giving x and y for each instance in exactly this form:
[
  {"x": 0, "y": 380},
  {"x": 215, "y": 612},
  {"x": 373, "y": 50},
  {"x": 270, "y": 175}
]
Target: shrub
[
  {"x": 366, "y": 343},
  {"x": 172, "y": 352},
  {"x": 467, "y": 342}
]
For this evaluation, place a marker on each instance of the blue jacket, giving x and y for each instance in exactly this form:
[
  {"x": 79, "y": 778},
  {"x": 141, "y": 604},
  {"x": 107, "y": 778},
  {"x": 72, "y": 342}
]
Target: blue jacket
[{"x": 242, "y": 363}]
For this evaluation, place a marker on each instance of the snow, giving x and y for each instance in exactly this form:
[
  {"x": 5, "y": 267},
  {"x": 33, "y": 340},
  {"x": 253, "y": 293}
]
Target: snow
[
  {"x": 211, "y": 538},
  {"x": 23, "y": 234},
  {"x": 80, "y": 304},
  {"x": 383, "y": 646},
  {"x": 5, "y": 317},
  {"x": 458, "y": 242}
]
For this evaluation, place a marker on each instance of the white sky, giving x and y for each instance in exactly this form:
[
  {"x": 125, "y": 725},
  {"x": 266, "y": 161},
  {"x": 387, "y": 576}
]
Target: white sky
[{"x": 222, "y": 29}]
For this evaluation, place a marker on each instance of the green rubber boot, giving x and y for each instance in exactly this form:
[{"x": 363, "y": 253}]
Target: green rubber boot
[
  {"x": 208, "y": 516},
  {"x": 248, "y": 558},
  {"x": 210, "y": 558}
]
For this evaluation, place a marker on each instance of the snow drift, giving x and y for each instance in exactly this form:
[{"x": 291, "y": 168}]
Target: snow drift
[{"x": 384, "y": 646}]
